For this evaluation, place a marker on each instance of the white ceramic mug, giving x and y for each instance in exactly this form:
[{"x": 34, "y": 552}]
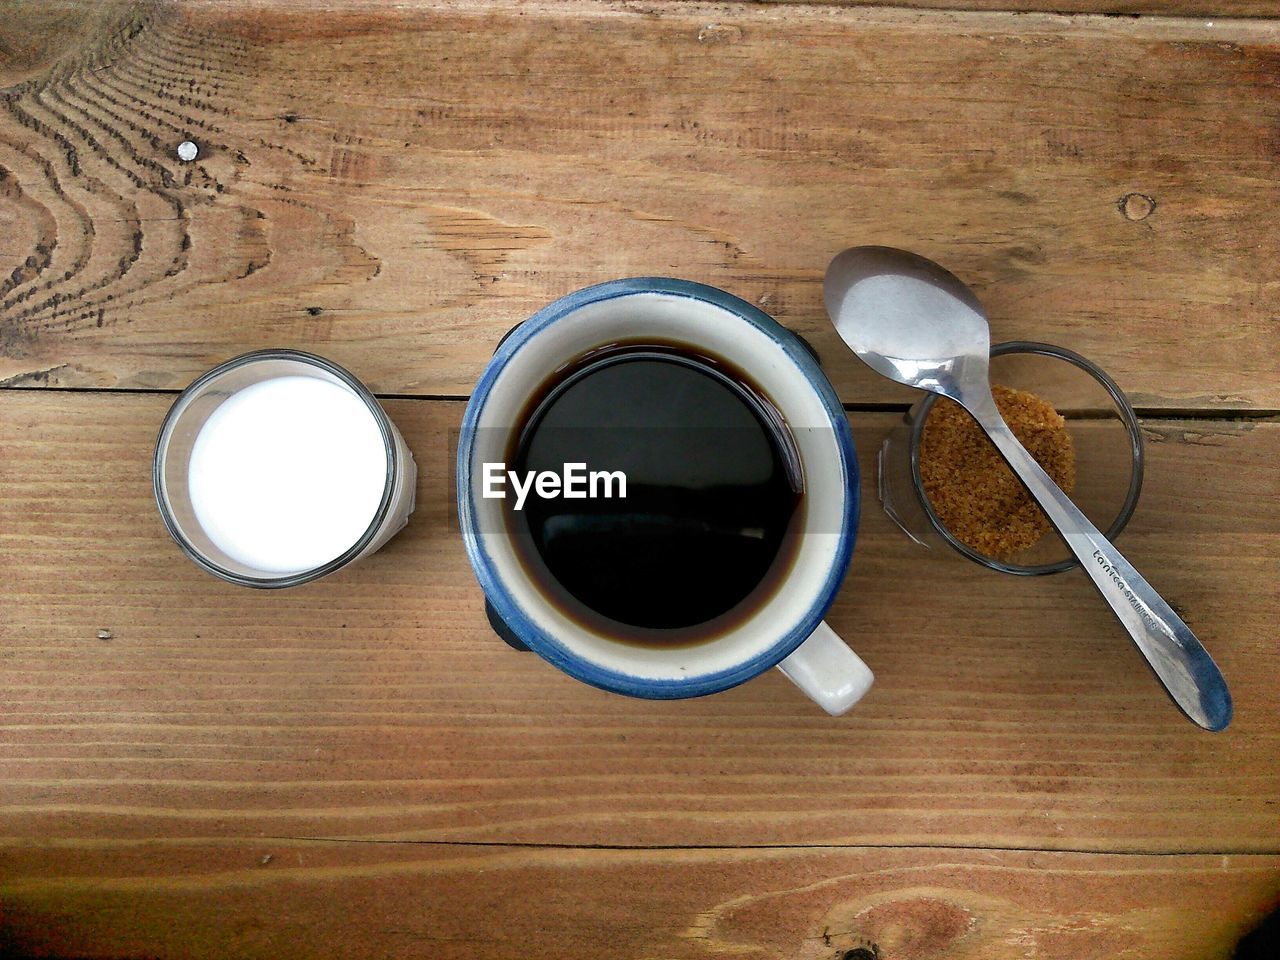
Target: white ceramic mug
[{"x": 787, "y": 630}]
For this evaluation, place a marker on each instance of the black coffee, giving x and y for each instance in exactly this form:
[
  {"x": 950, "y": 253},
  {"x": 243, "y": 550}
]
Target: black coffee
[{"x": 714, "y": 494}]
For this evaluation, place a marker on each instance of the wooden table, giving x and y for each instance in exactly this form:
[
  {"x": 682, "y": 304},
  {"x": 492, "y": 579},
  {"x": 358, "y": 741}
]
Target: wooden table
[{"x": 358, "y": 767}]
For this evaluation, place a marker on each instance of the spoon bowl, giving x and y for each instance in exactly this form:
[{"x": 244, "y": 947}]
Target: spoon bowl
[{"x": 908, "y": 318}]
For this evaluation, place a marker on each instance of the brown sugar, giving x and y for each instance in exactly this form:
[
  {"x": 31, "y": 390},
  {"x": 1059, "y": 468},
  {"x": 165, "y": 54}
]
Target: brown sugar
[{"x": 970, "y": 487}]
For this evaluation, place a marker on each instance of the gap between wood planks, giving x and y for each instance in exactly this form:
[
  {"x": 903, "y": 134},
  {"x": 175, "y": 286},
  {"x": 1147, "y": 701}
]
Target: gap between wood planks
[
  {"x": 841, "y": 847},
  {"x": 1251, "y": 414}
]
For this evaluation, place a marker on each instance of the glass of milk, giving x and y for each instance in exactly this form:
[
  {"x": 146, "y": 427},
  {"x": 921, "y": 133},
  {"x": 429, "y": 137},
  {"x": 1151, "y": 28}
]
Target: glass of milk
[{"x": 278, "y": 467}]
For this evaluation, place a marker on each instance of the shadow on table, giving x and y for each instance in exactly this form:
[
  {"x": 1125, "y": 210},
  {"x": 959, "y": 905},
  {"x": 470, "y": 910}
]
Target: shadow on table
[{"x": 1263, "y": 942}]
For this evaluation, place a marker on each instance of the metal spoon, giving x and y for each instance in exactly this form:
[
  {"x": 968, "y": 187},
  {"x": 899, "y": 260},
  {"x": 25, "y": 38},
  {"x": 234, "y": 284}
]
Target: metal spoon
[{"x": 912, "y": 321}]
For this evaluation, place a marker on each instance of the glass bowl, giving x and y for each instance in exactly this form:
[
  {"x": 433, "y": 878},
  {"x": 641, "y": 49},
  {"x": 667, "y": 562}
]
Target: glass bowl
[{"x": 1104, "y": 432}]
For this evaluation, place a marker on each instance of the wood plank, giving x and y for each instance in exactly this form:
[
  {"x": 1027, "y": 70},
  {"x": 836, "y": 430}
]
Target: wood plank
[
  {"x": 1106, "y": 8},
  {"x": 377, "y": 704},
  {"x": 272, "y": 897},
  {"x": 396, "y": 186}
]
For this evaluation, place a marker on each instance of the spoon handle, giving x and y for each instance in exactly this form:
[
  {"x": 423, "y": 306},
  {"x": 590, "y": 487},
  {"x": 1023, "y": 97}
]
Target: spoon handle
[{"x": 1178, "y": 658}]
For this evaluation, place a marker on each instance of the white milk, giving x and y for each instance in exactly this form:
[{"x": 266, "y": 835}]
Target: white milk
[{"x": 287, "y": 474}]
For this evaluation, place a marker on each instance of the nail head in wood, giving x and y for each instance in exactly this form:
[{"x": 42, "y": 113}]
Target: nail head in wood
[{"x": 1137, "y": 206}]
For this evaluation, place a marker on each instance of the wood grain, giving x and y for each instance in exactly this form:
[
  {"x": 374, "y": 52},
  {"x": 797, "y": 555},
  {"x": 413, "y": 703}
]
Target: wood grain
[
  {"x": 377, "y": 704},
  {"x": 1266, "y": 9},
  {"x": 395, "y": 187},
  {"x": 270, "y": 898}
]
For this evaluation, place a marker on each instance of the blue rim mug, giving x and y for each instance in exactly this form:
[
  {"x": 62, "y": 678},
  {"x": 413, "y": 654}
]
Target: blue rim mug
[{"x": 787, "y": 630}]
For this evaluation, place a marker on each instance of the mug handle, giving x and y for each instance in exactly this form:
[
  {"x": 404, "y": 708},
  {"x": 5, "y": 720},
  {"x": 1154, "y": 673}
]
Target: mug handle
[{"x": 824, "y": 667}]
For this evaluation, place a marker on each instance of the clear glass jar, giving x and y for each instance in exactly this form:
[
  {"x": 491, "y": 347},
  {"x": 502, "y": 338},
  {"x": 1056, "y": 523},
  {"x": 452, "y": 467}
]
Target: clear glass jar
[
  {"x": 193, "y": 409},
  {"x": 1104, "y": 431}
]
